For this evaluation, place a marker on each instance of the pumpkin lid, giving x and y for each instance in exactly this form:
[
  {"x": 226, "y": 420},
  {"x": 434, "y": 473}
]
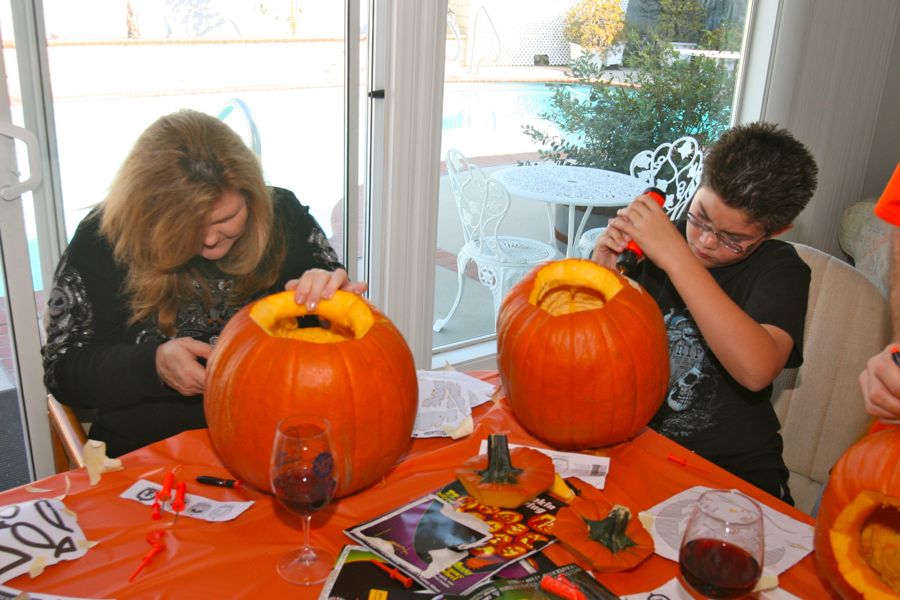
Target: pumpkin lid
[{"x": 348, "y": 315}]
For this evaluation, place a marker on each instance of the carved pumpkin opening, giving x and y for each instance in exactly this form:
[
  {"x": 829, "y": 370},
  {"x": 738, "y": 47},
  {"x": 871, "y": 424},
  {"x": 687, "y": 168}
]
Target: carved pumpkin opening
[
  {"x": 341, "y": 318},
  {"x": 571, "y": 286},
  {"x": 866, "y": 542}
]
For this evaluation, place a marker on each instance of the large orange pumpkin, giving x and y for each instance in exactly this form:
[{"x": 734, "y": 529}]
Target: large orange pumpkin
[
  {"x": 358, "y": 373},
  {"x": 582, "y": 354},
  {"x": 857, "y": 536}
]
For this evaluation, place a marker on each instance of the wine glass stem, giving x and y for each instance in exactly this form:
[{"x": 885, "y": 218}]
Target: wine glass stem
[{"x": 306, "y": 521}]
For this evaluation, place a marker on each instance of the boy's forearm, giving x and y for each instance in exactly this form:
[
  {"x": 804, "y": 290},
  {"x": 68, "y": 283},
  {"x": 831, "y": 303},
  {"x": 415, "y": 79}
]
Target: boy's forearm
[{"x": 747, "y": 350}]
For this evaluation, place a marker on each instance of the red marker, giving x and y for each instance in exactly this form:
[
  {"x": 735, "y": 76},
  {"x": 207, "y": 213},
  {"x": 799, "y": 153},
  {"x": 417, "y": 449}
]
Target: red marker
[
  {"x": 394, "y": 573},
  {"x": 166, "y": 492},
  {"x": 178, "y": 502}
]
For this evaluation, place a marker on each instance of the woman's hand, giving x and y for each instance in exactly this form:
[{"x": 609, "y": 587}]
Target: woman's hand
[
  {"x": 318, "y": 284},
  {"x": 178, "y": 366},
  {"x": 880, "y": 383}
]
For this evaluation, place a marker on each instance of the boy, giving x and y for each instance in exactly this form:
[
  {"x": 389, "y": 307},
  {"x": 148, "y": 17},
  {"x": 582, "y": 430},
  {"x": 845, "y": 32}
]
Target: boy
[{"x": 733, "y": 299}]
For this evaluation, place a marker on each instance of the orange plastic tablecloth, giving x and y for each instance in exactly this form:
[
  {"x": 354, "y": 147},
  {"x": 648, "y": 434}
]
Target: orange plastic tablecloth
[{"x": 237, "y": 559}]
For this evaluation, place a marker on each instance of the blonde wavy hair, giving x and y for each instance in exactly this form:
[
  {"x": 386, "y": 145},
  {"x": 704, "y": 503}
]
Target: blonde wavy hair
[{"x": 158, "y": 208}]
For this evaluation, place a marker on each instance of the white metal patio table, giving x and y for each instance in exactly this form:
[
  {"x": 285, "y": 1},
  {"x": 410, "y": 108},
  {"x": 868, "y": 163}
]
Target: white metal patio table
[{"x": 570, "y": 186}]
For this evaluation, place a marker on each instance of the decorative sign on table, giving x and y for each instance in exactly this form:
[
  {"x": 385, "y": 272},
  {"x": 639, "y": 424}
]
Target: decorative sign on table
[{"x": 38, "y": 533}]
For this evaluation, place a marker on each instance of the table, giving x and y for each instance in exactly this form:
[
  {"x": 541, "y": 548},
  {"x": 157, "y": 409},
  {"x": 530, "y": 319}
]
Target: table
[
  {"x": 570, "y": 186},
  {"x": 236, "y": 559}
]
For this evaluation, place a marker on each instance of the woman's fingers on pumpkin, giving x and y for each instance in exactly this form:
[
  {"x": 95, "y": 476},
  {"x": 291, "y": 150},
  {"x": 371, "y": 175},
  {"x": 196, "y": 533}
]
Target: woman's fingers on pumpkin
[
  {"x": 309, "y": 287},
  {"x": 355, "y": 287},
  {"x": 335, "y": 281}
]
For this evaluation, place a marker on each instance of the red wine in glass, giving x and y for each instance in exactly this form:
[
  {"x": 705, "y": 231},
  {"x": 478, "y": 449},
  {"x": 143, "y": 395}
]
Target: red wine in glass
[
  {"x": 302, "y": 476},
  {"x": 302, "y": 492},
  {"x": 721, "y": 553},
  {"x": 718, "y": 569}
]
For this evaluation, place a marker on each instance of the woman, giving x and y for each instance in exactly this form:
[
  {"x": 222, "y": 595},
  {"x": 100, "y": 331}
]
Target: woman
[{"x": 188, "y": 234}]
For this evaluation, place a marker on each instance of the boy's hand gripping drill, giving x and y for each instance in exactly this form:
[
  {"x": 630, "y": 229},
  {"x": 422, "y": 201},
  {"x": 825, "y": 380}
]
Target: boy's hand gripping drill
[{"x": 632, "y": 254}]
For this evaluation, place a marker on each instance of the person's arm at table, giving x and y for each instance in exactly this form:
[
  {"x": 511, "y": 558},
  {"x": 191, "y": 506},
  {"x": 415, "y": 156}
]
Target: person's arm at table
[
  {"x": 87, "y": 361},
  {"x": 880, "y": 381}
]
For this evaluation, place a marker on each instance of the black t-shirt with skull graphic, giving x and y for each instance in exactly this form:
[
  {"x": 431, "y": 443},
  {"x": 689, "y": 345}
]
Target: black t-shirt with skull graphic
[
  {"x": 94, "y": 359},
  {"x": 705, "y": 409}
]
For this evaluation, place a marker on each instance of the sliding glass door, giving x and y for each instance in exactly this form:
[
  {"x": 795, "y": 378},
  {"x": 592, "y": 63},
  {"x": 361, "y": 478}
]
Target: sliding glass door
[
  {"x": 580, "y": 82},
  {"x": 288, "y": 76},
  {"x": 24, "y": 430}
]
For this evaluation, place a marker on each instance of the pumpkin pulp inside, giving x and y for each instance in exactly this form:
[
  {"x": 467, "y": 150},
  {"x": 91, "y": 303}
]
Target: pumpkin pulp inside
[
  {"x": 879, "y": 541},
  {"x": 866, "y": 542},
  {"x": 344, "y": 316},
  {"x": 571, "y": 286}
]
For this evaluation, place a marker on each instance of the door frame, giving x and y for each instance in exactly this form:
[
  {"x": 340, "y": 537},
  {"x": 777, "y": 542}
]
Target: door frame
[{"x": 24, "y": 325}]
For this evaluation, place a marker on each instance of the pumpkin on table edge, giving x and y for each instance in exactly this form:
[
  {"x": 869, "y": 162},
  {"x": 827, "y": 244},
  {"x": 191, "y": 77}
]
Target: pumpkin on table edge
[
  {"x": 857, "y": 536},
  {"x": 603, "y": 537},
  {"x": 582, "y": 354},
  {"x": 506, "y": 478},
  {"x": 357, "y": 371}
]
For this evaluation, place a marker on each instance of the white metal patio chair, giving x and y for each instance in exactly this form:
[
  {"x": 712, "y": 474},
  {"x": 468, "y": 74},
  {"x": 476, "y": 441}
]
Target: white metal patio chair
[
  {"x": 674, "y": 167},
  {"x": 501, "y": 260}
]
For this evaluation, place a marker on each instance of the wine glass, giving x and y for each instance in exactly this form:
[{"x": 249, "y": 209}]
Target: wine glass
[
  {"x": 302, "y": 477},
  {"x": 721, "y": 552}
]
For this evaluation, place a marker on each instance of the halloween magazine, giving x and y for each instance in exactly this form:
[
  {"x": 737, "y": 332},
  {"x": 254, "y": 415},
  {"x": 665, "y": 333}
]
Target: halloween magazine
[{"x": 451, "y": 543}]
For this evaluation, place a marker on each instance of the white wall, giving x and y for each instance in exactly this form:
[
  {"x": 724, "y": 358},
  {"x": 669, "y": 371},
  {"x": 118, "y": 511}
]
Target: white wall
[
  {"x": 885, "y": 153},
  {"x": 832, "y": 94}
]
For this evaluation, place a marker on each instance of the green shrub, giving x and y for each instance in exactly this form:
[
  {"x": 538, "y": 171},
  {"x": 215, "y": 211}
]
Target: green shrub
[{"x": 662, "y": 99}]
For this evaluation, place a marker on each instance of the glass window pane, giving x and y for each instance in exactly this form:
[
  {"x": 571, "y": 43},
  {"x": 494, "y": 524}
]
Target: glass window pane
[
  {"x": 580, "y": 83},
  {"x": 276, "y": 67}
]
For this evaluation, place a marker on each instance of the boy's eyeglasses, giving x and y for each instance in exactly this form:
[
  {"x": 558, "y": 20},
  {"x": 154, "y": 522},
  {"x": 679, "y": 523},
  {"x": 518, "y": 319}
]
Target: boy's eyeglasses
[{"x": 724, "y": 239}]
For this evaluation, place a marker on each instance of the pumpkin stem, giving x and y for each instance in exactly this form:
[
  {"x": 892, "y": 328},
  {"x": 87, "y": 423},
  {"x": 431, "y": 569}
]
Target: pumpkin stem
[
  {"x": 499, "y": 468},
  {"x": 611, "y": 531}
]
